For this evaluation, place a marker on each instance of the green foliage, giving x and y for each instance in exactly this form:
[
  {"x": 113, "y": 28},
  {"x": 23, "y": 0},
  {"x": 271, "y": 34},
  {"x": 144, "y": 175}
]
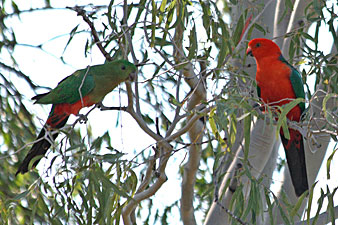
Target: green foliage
[{"x": 285, "y": 109}]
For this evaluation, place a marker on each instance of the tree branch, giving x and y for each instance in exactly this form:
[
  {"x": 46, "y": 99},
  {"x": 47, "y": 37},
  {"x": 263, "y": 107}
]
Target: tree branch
[{"x": 195, "y": 128}]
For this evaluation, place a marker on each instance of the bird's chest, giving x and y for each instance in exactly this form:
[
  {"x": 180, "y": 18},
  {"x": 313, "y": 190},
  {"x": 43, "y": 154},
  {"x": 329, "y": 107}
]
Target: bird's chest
[
  {"x": 103, "y": 85},
  {"x": 274, "y": 84}
]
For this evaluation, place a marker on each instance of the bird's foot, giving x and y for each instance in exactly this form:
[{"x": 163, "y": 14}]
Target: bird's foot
[
  {"x": 82, "y": 118},
  {"x": 99, "y": 105}
]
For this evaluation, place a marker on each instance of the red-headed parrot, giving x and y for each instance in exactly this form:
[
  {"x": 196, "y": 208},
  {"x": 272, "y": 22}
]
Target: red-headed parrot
[
  {"x": 278, "y": 83},
  {"x": 81, "y": 89}
]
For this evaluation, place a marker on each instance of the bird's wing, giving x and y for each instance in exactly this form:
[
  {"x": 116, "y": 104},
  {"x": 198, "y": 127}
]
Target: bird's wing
[{"x": 69, "y": 89}]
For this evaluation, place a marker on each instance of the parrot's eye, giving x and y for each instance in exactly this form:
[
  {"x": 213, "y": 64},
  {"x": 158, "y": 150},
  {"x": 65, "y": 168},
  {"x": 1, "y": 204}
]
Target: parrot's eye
[
  {"x": 258, "y": 45},
  {"x": 123, "y": 67}
]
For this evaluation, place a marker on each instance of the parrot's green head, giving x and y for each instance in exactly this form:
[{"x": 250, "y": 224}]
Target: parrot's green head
[{"x": 124, "y": 70}]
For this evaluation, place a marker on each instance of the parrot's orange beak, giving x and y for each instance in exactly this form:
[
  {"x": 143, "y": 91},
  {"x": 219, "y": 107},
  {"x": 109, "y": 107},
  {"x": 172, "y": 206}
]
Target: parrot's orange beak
[{"x": 249, "y": 51}]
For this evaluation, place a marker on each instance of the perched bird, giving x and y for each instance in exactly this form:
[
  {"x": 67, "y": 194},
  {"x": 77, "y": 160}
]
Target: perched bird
[
  {"x": 81, "y": 89},
  {"x": 278, "y": 83}
]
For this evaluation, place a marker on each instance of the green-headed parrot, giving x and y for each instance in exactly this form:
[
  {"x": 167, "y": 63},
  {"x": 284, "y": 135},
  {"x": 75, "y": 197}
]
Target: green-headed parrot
[{"x": 81, "y": 89}]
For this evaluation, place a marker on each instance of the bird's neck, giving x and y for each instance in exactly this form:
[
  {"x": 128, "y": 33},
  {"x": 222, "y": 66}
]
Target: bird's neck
[{"x": 268, "y": 61}]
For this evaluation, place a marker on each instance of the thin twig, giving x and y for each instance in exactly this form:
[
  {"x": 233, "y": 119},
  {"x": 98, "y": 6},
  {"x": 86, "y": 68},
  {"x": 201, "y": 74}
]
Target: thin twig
[
  {"x": 22, "y": 75},
  {"x": 188, "y": 125},
  {"x": 81, "y": 85},
  {"x": 81, "y": 12},
  {"x": 231, "y": 214}
]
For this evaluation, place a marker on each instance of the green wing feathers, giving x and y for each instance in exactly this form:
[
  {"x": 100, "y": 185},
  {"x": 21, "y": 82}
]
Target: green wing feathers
[
  {"x": 298, "y": 86},
  {"x": 258, "y": 91},
  {"x": 68, "y": 90},
  {"x": 296, "y": 82}
]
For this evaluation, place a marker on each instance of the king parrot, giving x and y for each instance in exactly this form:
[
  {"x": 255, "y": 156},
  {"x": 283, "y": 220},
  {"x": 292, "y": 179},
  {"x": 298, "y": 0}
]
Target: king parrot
[
  {"x": 278, "y": 83},
  {"x": 81, "y": 89}
]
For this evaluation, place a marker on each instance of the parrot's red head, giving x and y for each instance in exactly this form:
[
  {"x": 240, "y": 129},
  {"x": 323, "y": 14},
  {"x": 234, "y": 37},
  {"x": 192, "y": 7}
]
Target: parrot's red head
[{"x": 261, "y": 47}]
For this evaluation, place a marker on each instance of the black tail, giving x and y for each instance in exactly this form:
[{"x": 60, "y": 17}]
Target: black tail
[
  {"x": 40, "y": 148},
  {"x": 295, "y": 157}
]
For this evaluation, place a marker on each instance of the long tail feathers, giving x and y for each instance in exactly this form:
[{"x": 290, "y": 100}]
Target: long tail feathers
[
  {"x": 40, "y": 148},
  {"x": 295, "y": 157}
]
